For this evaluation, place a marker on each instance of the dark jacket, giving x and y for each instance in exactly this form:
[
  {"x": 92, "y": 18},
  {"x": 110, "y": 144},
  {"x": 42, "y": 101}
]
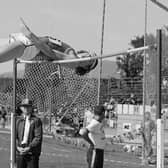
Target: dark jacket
[{"x": 35, "y": 134}]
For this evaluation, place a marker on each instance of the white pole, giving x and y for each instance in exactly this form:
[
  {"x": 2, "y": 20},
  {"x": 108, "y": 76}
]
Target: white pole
[
  {"x": 160, "y": 144},
  {"x": 12, "y": 160},
  {"x": 13, "y": 119},
  {"x": 160, "y": 141}
]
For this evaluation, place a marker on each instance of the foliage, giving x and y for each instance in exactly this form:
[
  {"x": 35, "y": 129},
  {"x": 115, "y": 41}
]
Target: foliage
[{"x": 131, "y": 64}]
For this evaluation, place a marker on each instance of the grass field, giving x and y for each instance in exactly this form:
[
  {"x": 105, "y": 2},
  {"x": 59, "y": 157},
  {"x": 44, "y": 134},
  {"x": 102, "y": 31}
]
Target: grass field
[{"x": 59, "y": 155}]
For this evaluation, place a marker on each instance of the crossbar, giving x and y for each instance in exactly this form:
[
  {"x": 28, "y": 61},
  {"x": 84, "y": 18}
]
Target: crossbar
[{"x": 89, "y": 58}]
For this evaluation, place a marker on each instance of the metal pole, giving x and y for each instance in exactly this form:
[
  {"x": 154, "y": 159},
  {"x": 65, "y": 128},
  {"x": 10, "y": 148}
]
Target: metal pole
[
  {"x": 144, "y": 82},
  {"x": 50, "y": 104},
  {"x": 13, "y": 119},
  {"x": 160, "y": 142},
  {"x": 101, "y": 52},
  {"x": 159, "y": 65}
]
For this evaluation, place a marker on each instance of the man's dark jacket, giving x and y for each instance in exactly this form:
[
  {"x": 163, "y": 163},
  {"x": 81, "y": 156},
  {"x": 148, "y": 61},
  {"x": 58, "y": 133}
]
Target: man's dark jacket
[{"x": 35, "y": 134}]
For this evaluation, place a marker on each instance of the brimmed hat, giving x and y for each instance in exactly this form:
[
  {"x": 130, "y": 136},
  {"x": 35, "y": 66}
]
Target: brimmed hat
[{"x": 26, "y": 102}]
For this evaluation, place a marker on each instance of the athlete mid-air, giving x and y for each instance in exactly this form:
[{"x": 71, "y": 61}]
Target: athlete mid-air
[{"x": 28, "y": 45}]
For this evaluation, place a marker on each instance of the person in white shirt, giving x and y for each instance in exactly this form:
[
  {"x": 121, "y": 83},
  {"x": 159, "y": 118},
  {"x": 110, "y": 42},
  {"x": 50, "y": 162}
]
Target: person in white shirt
[
  {"x": 95, "y": 136},
  {"x": 88, "y": 115}
]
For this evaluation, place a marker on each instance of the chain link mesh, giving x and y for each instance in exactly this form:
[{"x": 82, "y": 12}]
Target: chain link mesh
[{"x": 50, "y": 88}]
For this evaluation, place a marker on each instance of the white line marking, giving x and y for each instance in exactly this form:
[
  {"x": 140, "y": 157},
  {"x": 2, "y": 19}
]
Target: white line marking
[
  {"x": 122, "y": 162},
  {"x": 55, "y": 155}
]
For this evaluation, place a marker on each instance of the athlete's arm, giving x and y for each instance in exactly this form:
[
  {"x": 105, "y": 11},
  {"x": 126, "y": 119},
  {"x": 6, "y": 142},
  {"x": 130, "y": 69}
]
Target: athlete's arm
[{"x": 84, "y": 133}]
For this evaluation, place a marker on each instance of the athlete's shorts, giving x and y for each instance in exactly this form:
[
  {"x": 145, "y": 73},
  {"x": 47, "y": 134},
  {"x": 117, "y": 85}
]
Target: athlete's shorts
[{"x": 95, "y": 158}]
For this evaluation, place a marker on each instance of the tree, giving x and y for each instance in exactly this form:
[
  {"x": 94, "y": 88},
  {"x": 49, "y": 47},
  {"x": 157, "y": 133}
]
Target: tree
[{"x": 131, "y": 64}]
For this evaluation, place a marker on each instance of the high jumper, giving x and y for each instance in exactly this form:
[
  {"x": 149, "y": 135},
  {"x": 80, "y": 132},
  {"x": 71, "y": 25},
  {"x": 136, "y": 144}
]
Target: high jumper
[{"x": 27, "y": 45}]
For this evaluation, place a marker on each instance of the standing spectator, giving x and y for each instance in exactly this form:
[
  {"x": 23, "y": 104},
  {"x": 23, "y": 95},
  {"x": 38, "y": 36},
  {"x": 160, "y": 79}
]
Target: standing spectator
[
  {"x": 132, "y": 99},
  {"x": 88, "y": 115},
  {"x": 111, "y": 113},
  {"x": 3, "y": 115},
  {"x": 111, "y": 107},
  {"x": 95, "y": 136},
  {"x": 147, "y": 131},
  {"x": 28, "y": 136},
  {"x": 164, "y": 83},
  {"x": 35, "y": 111}
]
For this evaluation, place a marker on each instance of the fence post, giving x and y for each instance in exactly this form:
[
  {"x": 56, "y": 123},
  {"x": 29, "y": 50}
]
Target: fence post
[
  {"x": 160, "y": 142},
  {"x": 13, "y": 119}
]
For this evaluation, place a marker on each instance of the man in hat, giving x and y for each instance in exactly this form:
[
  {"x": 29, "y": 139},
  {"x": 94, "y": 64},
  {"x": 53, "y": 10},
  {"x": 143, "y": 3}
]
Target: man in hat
[{"x": 29, "y": 134}]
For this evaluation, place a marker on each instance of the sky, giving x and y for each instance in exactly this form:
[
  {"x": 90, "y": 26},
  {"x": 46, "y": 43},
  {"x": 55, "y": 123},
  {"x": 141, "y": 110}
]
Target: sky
[{"x": 79, "y": 22}]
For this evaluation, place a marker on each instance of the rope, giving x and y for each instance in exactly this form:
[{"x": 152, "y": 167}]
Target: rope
[
  {"x": 80, "y": 92},
  {"x": 160, "y": 5},
  {"x": 101, "y": 52}
]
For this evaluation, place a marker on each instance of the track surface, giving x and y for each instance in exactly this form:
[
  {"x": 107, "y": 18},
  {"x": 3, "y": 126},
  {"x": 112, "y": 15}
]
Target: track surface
[{"x": 55, "y": 155}]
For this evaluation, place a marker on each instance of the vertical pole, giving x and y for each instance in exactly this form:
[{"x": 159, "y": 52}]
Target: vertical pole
[
  {"x": 144, "y": 82},
  {"x": 160, "y": 142},
  {"x": 101, "y": 52},
  {"x": 49, "y": 93},
  {"x": 159, "y": 65},
  {"x": 50, "y": 104},
  {"x": 13, "y": 119}
]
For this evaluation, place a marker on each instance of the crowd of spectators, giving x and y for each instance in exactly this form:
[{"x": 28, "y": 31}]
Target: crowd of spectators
[{"x": 132, "y": 99}]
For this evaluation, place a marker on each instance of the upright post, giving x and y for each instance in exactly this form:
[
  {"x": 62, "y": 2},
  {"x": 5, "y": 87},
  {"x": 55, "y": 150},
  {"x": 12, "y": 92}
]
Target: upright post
[
  {"x": 144, "y": 81},
  {"x": 101, "y": 52},
  {"x": 50, "y": 104},
  {"x": 13, "y": 119},
  {"x": 160, "y": 142}
]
